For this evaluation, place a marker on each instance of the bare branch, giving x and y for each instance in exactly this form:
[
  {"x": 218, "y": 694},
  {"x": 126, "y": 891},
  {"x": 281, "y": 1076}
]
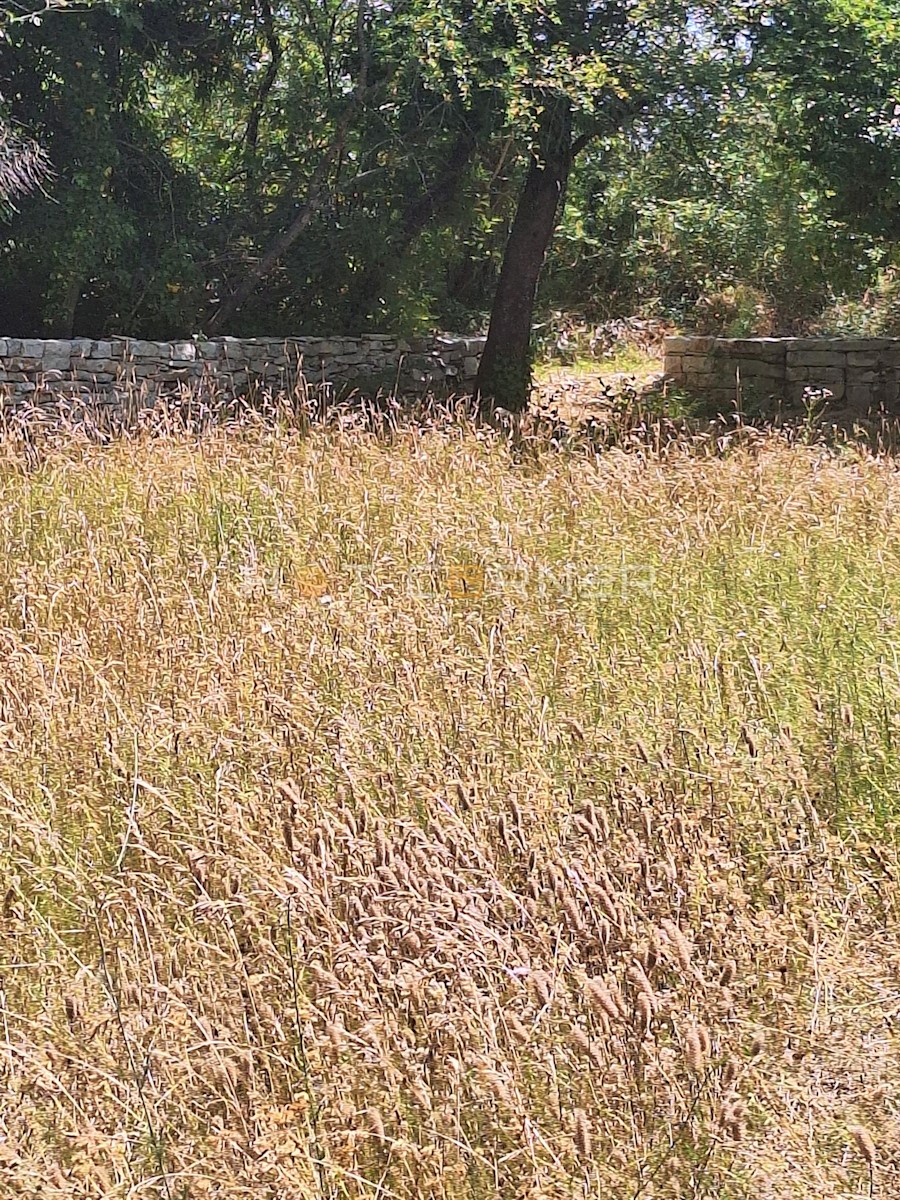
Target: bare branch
[{"x": 23, "y": 165}]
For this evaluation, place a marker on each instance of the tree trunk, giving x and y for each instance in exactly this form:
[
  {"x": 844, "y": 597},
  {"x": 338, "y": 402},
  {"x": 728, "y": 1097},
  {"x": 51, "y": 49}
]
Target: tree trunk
[
  {"x": 504, "y": 374},
  {"x": 62, "y": 323}
]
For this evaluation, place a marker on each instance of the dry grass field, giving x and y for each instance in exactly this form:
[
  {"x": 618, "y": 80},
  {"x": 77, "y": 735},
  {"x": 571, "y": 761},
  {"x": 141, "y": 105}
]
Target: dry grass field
[{"x": 436, "y": 816}]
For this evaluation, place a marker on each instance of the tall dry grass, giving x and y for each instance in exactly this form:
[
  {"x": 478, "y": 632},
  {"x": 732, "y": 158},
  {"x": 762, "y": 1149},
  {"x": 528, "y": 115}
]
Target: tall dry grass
[{"x": 426, "y": 816}]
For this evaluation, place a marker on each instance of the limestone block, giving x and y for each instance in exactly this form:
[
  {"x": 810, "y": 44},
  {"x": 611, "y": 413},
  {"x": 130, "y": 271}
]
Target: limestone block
[
  {"x": 156, "y": 351},
  {"x": 695, "y": 364},
  {"x": 796, "y": 374},
  {"x": 859, "y": 359},
  {"x": 102, "y": 350},
  {"x": 183, "y": 351},
  {"x": 823, "y": 345},
  {"x": 829, "y": 375},
  {"x": 688, "y": 345},
  {"x": 759, "y": 368},
  {"x": 705, "y": 379},
  {"x": 859, "y": 395},
  {"x": 470, "y": 367},
  {"x": 93, "y": 376},
  {"x": 860, "y": 376},
  {"x": 862, "y": 345},
  {"x": 816, "y": 358},
  {"x": 767, "y": 349},
  {"x": 32, "y": 348}
]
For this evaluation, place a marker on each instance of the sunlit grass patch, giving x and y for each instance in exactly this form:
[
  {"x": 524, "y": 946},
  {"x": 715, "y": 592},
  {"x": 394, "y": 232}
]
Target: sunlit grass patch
[{"x": 424, "y": 818}]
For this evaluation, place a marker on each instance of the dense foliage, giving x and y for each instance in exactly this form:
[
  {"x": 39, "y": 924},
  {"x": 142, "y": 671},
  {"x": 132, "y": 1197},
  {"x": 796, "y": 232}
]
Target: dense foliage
[{"x": 325, "y": 166}]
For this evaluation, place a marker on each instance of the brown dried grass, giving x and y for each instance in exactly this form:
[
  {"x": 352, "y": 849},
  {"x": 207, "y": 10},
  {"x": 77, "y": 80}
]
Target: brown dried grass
[{"x": 323, "y": 881}]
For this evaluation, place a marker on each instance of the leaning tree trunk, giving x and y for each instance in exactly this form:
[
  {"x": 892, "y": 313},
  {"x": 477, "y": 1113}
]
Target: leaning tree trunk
[{"x": 504, "y": 374}]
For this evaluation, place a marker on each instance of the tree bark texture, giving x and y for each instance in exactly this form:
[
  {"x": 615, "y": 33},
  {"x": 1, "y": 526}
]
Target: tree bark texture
[{"x": 504, "y": 374}]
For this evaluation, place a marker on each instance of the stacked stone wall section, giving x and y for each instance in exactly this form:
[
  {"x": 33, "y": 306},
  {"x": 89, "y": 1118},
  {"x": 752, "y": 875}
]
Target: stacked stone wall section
[
  {"x": 860, "y": 374},
  {"x": 39, "y": 371}
]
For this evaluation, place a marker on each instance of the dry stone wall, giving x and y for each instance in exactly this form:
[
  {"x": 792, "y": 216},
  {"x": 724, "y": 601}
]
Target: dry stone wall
[
  {"x": 861, "y": 375},
  {"x": 45, "y": 372}
]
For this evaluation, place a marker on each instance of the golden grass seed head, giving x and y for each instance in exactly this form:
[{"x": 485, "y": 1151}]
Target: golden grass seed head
[
  {"x": 243, "y": 1070},
  {"x": 705, "y": 1042},
  {"x": 865, "y": 1144},
  {"x": 503, "y": 832},
  {"x": 287, "y": 831},
  {"x": 693, "y": 1051},
  {"x": 601, "y": 999},
  {"x": 608, "y": 906},
  {"x": 586, "y": 827},
  {"x": 582, "y": 1137},
  {"x": 643, "y": 1007},
  {"x": 637, "y": 976},
  {"x": 540, "y": 984},
  {"x": 221, "y": 1077},
  {"x": 517, "y": 1028},
  {"x": 496, "y": 1085},
  {"x": 411, "y": 944},
  {"x": 375, "y": 1123},
  {"x": 573, "y": 913},
  {"x": 515, "y": 813},
  {"x": 580, "y": 1041},
  {"x": 730, "y": 1071}
]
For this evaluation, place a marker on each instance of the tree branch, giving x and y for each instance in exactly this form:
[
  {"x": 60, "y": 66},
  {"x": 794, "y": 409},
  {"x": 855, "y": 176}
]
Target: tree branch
[{"x": 267, "y": 82}]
